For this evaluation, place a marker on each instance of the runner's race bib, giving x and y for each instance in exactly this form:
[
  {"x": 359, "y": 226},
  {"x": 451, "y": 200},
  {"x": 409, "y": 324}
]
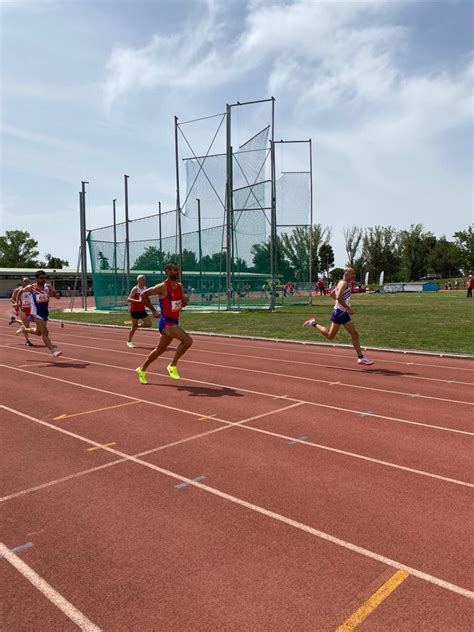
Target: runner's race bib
[
  {"x": 42, "y": 298},
  {"x": 176, "y": 306}
]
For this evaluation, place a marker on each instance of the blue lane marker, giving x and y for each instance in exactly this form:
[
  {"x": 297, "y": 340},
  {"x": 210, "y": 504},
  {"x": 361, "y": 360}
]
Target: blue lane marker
[
  {"x": 293, "y": 441},
  {"x": 197, "y": 479},
  {"x": 366, "y": 414},
  {"x": 21, "y": 547}
]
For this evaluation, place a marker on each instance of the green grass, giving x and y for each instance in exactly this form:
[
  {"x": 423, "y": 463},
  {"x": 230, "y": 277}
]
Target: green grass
[{"x": 429, "y": 322}]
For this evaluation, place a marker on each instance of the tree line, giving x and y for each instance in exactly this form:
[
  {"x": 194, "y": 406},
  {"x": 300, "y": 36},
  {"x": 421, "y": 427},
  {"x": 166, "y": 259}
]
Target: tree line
[{"x": 19, "y": 250}]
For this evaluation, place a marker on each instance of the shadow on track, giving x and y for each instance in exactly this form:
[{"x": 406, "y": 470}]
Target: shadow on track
[{"x": 204, "y": 391}]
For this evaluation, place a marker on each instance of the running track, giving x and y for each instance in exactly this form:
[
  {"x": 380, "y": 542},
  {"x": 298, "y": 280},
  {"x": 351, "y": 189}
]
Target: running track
[{"x": 330, "y": 497}]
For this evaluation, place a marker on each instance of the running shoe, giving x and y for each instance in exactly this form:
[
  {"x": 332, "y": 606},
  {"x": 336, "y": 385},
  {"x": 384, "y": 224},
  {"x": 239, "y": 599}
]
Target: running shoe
[
  {"x": 310, "y": 323},
  {"x": 141, "y": 375},
  {"x": 28, "y": 343},
  {"x": 20, "y": 331},
  {"x": 56, "y": 353},
  {"x": 12, "y": 320},
  {"x": 365, "y": 361},
  {"x": 173, "y": 372},
  {"x": 131, "y": 345}
]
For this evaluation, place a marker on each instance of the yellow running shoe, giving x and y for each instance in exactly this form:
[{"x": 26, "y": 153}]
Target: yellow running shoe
[
  {"x": 173, "y": 372},
  {"x": 141, "y": 375}
]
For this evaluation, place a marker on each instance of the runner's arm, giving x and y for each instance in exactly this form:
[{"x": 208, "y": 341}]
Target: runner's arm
[
  {"x": 20, "y": 291},
  {"x": 133, "y": 300},
  {"x": 157, "y": 290},
  {"x": 341, "y": 286},
  {"x": 14, "y": 295}
]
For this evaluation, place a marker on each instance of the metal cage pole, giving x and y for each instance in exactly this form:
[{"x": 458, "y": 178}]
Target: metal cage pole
[
  {"x": 200, "y": 244},
  {"x": 127, "y": 233},
  {"x": 310, "y": 221},
  {"x": 161, "y": 238},
  {"x": 178, "y": 201},
  {"x": 229, "y": 207},
  {"x": 114, "y": 211},
  {"x": 273, "y": 221},
  {"x": 82, "y": 204}
]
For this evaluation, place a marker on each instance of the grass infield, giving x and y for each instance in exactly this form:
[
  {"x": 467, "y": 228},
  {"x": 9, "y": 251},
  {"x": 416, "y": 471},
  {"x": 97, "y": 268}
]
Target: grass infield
[{"x": 441, "y": 322}]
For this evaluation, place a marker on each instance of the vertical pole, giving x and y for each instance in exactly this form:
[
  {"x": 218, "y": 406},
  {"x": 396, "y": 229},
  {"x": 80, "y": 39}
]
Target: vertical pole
[
  {"x": 114, "y": 202},
  {"x": 310, "y": 221},
  {"x": 83, "y": 245},
  {"x": 178, "y": 201},
  {"x": 127, "y": 234},
  {"x": 229, "y": 208},
  {"x": 161, "y": 238},
  {"x": 200, "y": 246},
  {"x": 273, "y": 221}
]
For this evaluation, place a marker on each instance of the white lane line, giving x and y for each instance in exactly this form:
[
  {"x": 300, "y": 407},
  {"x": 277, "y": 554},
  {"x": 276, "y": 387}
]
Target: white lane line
[
  {"x": 288, "y": 376},
  {"x": 261, "y": 510},
  {"x": 278, "y": 360},
  {"x": 353, "y": 455},
  {"x": 66, "y": 607},
  {"x": 274, "y": 344},
  {"x": 63, "y": 479},
  {"x": 253, "y": 392}
]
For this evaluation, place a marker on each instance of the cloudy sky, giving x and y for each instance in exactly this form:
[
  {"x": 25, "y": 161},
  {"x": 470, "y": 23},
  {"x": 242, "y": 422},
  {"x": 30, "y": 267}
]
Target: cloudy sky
[{"x": 90, "y": 89}]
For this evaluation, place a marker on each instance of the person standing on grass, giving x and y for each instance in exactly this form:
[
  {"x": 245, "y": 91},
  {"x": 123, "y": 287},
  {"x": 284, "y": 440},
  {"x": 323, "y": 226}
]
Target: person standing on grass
[
  {"x": 40, "y": 292},
  {"x": 470, "y": 285},
  {"x": 172, "y": 301},
  {"x": 341, "y": 315},
  {"x": 321, "y": 287},
  {"x": 137, "y": 309}
]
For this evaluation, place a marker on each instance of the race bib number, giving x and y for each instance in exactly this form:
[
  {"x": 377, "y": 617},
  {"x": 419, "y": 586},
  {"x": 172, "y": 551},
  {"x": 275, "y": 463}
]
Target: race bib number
[
  {"x": 42, "y": 298},
  {"x": 177, "y": 306}
]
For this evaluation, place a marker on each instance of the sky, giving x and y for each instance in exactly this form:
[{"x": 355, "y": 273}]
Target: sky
[{"x": 90, "y": 89}]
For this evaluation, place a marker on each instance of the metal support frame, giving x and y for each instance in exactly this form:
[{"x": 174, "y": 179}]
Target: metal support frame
[
  {"x": 160, "y": 237},
  {"x": 178, "y": 201},
  {"x": 82, "y": 209},
  {"x": 114, "y": 211},
  {"x": 127, "y": 233},
  {"x": 200, "y": 244},
  {"x": 228, "y": 206}
]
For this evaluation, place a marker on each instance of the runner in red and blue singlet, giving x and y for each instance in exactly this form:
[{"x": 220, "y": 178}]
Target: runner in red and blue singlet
[{"x": 172, "y": 301}]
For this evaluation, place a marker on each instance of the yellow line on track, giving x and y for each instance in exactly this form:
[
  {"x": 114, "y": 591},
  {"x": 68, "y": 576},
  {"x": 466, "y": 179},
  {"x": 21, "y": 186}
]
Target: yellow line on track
[
  {"x": 96, "y": 410},
  {"x": 373, "y": 602},
  {"x": 99, "y": 447}
]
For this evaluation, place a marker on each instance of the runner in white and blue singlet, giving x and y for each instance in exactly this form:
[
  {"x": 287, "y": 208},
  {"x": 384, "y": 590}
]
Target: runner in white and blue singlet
[
  {"x": 40, "y": 292},
  {"x": 341, "y": 315}
]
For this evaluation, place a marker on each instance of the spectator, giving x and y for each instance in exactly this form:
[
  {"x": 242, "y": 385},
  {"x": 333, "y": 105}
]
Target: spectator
[
  {"x": 470, "y": 285},
  {"x": 320, "y": 286}
]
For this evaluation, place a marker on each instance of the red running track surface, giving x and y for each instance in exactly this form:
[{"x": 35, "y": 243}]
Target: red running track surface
[{"x": 321, "y": 480}]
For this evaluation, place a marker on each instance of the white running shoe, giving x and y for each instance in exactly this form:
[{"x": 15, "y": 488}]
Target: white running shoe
[
  {"x": 56, "y": 353},
  {"x": 20, "y": 331},
  {"x": 365, "y": 361},
  {"x": 310, "y": 323},
  {"x": 131, "y": 345}
]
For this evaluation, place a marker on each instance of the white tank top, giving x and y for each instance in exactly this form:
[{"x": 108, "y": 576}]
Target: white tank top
[{"x": 346, "y": 295}]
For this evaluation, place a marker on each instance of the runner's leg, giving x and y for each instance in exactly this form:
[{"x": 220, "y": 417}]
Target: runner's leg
[
  {"x": 354, "y": 338},
  {"x": 164, "y": 343},
  {"x": 328, "y": 333},
  {"x": 185, "y": 342}
]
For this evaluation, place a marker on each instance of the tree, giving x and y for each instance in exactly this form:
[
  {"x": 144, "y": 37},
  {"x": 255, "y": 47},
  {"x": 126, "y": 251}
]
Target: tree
[
  {"x": 55, "y": 263},
  {"x": 103, "y": 261},
  {"x": 336, "y": 275},
  {"x": 18, "y": 249},
  {"x": 190, "y": 262},
  {"x": 326, "y": 258},
  {"x": 353, "y": 238},
  {"x": 150, "y": 259},
  {"x": 295, "y": 247},
  {"x": 445, "y": 258},
  {"x": 379, "y": 252},
  {"x": 415, "y": 246},
  {"x": 261, "y": 260},
  {"x": 465, "y": 242}
]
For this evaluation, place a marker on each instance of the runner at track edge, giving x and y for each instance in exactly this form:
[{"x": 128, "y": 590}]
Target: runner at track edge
[
  {"x": 341, "y": 315},
  {"x": 172, "y": 301},
  {"x": 23, "y": 311}
]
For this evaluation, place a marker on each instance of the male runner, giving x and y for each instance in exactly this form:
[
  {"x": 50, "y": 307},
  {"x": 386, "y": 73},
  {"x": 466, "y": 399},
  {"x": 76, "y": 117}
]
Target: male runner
[
  {"x": 137, "y": 309},
  {"x": 341, "y": 315},
  {"x": 172, "y": 301},
  {"x": 24, "y": 310},
  {"x": 41, "y": 292}
]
